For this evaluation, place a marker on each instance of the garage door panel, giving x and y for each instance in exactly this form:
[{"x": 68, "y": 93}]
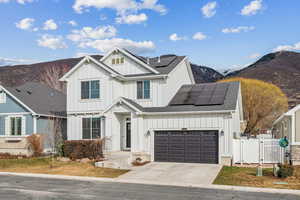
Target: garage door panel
[{"x": 186, "y": 146}]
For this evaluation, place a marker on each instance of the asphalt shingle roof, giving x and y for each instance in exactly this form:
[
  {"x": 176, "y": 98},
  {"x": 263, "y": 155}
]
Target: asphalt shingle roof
[
  {"x": 40, "y": 98},
  {"x": 229, "y": 102}
]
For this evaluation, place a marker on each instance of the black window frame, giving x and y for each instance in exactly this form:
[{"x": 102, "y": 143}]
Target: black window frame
[
  {"x": 142, "y": 91},
  {"x": 91, "y": 128},
  {"x": 87, "y": 90}
]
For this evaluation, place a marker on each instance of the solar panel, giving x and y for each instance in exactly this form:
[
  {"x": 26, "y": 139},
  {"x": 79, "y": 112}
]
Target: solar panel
[
  {"x": 201, "y": 95},
  {"x": 206, "y": 95},
  {"x": 181, "y": 96}
]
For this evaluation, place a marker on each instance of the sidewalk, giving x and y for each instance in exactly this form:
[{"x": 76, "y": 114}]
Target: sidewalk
[{"x": 118, "y": 180}]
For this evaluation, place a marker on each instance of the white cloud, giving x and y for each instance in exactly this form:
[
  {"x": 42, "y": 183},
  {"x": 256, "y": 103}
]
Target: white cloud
[
  {"x": 14, "y": 61},
  {"x": 26, "y": 24},
  {"x": 175, "y": 37},
  {"x": 252, "y": 8},
  {"x": 209, "y": 10},
  {"x": 132, "y": 19},
  {"x": 72, "y": 23},
  {"x": 121, "y": 6},
  {"x": 87, "y": 33},
  {"x": 199, "y": 36},
  {"x": 295, "y": 47},
  {"x": 18, "y": 1},
  {"x": 52, "y": 42},
  {"x": 238, "y": 29},
  {"x": 108, "y": 44},
  {"x": 254, "y": 56},
  {"x": 50, "y": 25}
]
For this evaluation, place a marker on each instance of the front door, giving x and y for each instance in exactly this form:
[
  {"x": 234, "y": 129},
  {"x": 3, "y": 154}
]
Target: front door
[{"x": 127, "y": 133}]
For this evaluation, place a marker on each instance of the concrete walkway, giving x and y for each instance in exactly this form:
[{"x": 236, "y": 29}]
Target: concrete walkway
[{"x": 173, "y": 173}]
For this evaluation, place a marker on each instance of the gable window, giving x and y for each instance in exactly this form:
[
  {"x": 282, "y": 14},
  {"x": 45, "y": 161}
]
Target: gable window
[
  {"x": 2, "y": 97},
  {"x": 117, "y": 61},
  {"x": 143, "y": 89},
  {"x": 16, "y": 126},
  {"x": 90, "y": 89},
  {"x": 91, "y": 128}
]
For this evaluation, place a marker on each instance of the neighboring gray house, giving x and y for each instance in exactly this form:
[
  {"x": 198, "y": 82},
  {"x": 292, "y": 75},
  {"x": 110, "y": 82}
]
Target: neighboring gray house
[
  {"x": 28, "y": 109},
  {"x": 289, "y": 125}
]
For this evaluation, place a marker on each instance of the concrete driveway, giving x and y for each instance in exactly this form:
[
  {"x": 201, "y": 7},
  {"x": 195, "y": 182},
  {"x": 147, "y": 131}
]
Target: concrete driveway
[{"x": 173, "y": 173}]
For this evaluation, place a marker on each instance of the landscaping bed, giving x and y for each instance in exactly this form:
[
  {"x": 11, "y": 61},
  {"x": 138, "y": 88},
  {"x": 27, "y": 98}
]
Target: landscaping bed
[
  {"x": 243, "y": 176},
  {"x": 48, "y": 165}
]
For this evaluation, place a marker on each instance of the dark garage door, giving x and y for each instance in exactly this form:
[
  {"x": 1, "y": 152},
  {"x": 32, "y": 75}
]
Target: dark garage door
[{"x": 186, "y": 146}]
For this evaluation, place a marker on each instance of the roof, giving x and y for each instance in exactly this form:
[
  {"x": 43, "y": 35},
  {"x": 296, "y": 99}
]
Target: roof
[
  {"x": 230, "y": 102},
  {"x": 288, "y": 113},
  {"x": 164, "y": 64},
  {"x": 40, "y": 98}
]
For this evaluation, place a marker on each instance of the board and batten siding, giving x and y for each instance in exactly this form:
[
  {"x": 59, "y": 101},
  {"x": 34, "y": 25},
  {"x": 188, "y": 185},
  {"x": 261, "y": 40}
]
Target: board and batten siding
[
  {"x": 178, "y": 77},
  {"x": 297, "y": 126},
  {"x": 220, "y": 122},
  {"x": 128, "y": 67}
]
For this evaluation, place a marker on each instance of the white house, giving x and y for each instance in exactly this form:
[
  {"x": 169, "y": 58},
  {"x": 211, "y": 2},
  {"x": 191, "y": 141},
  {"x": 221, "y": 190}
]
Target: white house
[
  {"x": 152, "y": 107},
  {"x": 289, "y": 125}
]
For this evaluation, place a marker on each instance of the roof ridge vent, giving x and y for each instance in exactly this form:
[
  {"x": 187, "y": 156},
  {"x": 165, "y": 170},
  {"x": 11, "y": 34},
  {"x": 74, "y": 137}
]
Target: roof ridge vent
[{"x": 28, "y": 92}]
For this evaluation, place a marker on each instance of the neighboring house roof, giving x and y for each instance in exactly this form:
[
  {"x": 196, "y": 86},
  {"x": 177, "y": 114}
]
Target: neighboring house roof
[
  {"x": 230, "y": 102},
  {"x": 40, "y": 98},
  {"x": 288, "y": 113}
]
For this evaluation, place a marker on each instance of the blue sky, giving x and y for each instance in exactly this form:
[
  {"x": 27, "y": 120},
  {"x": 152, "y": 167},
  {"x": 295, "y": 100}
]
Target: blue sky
[{"x": 220, "y": 34}]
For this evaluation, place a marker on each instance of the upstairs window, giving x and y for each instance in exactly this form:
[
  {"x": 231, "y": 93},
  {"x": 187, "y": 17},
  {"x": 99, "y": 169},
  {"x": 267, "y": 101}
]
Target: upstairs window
[
  {"x": 117, "y": 61},
  {"x": 90, "y": 89},
  {"x": 91, "y": 128},
  {"x": 143, "y": 89},
  {"x": 2, "y": 97}
]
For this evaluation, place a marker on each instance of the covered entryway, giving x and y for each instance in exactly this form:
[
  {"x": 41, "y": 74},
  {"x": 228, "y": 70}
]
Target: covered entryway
[{"x": 187, "y": 146}]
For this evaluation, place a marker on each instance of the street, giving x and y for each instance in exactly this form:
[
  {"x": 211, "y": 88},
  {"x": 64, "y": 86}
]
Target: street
[{"x": 17, "y": 187}]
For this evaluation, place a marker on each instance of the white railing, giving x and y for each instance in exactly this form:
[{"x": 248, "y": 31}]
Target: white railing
[{"x": 257, "y": 151}]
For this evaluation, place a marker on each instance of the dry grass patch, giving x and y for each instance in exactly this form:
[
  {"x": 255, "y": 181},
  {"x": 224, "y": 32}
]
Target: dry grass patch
[
  {"x": 49, "y": 166},
  {"x": 241, "y": 176}
]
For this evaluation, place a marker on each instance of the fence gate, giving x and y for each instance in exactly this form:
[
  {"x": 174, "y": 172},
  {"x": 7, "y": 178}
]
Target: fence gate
[{"x": 257, "y": 151}]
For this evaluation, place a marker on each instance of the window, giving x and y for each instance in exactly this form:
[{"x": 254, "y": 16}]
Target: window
[
  {"x": 143, "y": 89},
  {"x": 91, "y": 128},
  {"x": 16, "y": 126},
  {"x": 117, "y": 61},
  {"x": 2, "y": 97},
  {"x": 90, "y": 89}
]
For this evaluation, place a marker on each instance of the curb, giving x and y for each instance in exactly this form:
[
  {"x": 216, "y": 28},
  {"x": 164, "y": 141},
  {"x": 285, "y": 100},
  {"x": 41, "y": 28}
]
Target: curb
[{"x": 120, "y": 180}]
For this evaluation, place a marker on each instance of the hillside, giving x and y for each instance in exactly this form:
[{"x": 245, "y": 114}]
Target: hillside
[
  {"x": 204, "y": 74},
  {"x": 50, "y": 72},
  {"x": 279, "y": 68}
]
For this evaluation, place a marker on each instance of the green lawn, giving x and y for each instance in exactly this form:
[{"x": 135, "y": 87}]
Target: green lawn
[
  {"x": 52, "y": 166},
  {"x": 243, "y": 176}
]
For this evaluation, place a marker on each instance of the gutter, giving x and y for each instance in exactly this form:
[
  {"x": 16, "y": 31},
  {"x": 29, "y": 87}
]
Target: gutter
[{"x": 186, "y": 112}]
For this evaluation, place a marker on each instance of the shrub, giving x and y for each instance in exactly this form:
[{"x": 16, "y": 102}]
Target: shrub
[
  {"x": 285, "y": 171},
  {"x": 78, "y": 149},
  {"x": 35, "y": 144}
]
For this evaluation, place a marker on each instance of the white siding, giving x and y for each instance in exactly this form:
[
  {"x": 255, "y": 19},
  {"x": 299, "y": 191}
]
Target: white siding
[
  {"x": 128, "y": 67},
  {"x": 178, "y": 77}
]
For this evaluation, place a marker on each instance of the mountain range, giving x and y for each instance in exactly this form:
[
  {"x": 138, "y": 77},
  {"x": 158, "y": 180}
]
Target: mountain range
[{"x": 279, "y": 68}]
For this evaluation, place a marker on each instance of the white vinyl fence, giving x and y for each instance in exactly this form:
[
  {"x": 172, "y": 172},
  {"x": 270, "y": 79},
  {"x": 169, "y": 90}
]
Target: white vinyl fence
[{"x": 257, "y": 151}]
